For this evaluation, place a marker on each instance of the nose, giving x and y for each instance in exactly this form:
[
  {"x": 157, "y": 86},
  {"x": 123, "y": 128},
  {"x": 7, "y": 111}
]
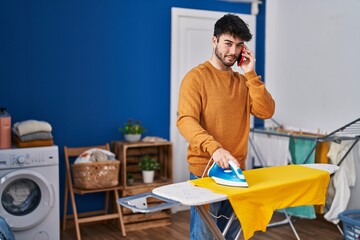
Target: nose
[{"x": 233, "y": 49}]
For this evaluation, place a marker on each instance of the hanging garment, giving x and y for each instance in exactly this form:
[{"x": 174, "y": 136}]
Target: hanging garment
[
  {"x": 321, "y": 151},
  {"x": 299, "y": 150},
  {"x": 343, "y": 179},
  {"x": 272, "y": 150}
]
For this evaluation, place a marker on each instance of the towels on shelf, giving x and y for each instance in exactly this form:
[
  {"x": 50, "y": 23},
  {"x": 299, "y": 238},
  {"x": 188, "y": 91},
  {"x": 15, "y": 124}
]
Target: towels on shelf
[
  {"x": 32, "y": 133},
  {"x": 31, "y": 126},
  {"x": 35, "y": 136}
]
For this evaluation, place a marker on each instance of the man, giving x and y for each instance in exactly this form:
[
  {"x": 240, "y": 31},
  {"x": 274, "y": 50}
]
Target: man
[{"x": 214, "y": 110}]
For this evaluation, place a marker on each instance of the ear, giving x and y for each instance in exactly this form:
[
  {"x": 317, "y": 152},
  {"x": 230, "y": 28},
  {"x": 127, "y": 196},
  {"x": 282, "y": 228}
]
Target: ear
[{"x": 214, "y": 41}]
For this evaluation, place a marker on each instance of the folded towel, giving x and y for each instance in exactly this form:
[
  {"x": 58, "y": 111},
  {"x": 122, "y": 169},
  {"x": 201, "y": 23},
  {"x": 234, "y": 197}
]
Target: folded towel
[
  {"x": 35, "y": 136},
  {"x": 31, "y": 126},
  {"x": 153, "y": 139},
  {"x": 33, "y": 143}
]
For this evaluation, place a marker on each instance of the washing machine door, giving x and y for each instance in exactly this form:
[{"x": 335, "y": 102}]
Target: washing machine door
[{"x": 27, "y": 197}]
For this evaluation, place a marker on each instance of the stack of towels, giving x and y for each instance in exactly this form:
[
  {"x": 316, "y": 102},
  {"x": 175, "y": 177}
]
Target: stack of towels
[{"x": 32, "y": 133}]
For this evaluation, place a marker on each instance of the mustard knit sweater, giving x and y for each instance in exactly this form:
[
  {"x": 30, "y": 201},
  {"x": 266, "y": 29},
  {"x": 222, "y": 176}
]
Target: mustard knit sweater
[{"x": 214, "y": 111}]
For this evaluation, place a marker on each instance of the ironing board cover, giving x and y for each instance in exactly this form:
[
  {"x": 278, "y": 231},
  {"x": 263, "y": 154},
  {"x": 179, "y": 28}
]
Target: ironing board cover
[{"x": 270, "y": 189}]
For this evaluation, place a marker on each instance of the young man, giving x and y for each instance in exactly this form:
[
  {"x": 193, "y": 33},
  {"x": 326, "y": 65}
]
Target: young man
[{"x": 214, "y": 110}]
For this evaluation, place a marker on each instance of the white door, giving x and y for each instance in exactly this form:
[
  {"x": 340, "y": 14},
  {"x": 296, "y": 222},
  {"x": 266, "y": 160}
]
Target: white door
[{"x": 191, "y": 33}]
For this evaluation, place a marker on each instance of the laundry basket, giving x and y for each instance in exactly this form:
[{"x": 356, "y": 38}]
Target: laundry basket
[
  {"x": 351, "y": 224},
  {"x": 94, "y": 175}
]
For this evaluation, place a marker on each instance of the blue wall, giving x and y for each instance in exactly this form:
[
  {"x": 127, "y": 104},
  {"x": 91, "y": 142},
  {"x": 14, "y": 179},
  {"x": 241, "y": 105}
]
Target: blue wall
[{"x": 86, "y": 66}]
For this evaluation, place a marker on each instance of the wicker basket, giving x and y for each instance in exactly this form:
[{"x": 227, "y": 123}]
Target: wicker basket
[{"x": 94, "y": 175}]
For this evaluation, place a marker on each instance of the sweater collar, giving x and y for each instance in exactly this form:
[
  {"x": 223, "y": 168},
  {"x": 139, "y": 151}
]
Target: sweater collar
[
  {"x": 227, "y": 75},
  {"x": 226, "y": 72}
]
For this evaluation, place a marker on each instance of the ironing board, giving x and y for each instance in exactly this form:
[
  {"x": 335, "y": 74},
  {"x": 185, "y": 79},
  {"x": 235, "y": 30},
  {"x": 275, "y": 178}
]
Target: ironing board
[{"x": 186, "y": 193}]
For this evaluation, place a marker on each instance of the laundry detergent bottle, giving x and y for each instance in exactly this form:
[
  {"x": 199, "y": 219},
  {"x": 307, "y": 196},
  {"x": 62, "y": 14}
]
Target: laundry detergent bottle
[{"x": 5, "y": 129}]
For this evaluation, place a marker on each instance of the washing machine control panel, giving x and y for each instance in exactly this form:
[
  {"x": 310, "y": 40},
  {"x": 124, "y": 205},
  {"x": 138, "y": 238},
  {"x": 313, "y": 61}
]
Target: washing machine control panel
[
  {"x": 21, "y": 159},
  {"x": 24, "y": 157}
]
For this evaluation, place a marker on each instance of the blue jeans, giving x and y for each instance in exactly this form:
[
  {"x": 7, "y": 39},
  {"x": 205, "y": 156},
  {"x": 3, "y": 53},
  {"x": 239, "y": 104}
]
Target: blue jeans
[
  {"x": 198, "y": 228},
  {"x": 5, "y": 231}
]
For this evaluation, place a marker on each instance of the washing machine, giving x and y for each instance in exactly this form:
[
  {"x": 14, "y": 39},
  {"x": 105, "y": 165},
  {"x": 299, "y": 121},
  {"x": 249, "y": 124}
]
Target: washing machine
[{"x": 29, "y": 191}]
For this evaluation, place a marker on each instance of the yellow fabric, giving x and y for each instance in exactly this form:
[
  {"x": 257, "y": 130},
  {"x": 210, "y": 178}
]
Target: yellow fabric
[
  {"x": 214, "y": 111},
  {"x": 32, "y": 143},
  {"x": 321, "y": 152},
  {"x": 270, "y": 189}
]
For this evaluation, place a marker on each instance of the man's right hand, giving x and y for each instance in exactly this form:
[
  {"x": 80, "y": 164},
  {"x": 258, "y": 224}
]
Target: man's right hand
[{"x": 221, "y": 157}]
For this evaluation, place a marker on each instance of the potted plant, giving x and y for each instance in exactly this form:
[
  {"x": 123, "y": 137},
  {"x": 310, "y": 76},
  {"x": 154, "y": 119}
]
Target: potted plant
[
  {"x": 132, "y": 130},
  {"x": 148, "y": 165},
  {"x": 130, "y": 179}
]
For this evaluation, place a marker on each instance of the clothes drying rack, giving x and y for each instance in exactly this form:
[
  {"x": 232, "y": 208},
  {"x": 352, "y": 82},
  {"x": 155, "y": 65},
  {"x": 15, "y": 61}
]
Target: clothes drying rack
[{"x": 348, "y": 132}]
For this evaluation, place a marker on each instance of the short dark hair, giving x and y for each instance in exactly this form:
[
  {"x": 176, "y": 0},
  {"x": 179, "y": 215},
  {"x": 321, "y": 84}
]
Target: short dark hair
[{"x": 233, "y": 25}]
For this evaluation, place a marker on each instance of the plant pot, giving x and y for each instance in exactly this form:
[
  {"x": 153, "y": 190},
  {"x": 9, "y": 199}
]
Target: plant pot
[
  {"x": 130, "y": 181},
  {"x": 132, "y": 137},
  {"x": 148, "y": 176}
]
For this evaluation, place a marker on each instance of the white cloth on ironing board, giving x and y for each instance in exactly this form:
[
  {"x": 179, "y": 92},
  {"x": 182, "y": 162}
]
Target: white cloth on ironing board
[
  {"x": 272, "y": 149},
  {"x": 343, "y": 179}
]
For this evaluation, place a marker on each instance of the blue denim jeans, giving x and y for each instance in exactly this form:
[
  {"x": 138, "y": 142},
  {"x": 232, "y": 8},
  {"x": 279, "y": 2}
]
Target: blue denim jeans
[
  {"x": 5, "y": 231},
  {"x": 198, "y": 228}
]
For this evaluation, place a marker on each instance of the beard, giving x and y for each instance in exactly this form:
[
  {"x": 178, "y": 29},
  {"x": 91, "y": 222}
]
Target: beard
[{"x": 222, "y": 59}]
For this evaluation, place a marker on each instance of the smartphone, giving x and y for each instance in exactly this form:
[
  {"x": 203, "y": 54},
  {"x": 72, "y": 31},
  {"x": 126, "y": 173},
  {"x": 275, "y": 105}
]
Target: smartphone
[{"x": 241, "y": 58}]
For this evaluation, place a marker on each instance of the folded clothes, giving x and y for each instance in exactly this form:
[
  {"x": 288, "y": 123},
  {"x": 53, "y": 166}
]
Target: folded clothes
[
  {"x": 31, "y": 126},
  {"x": 33, "y": 143},
  {"x": 35, "y": 136},
  {"x": 153, "y": 139}
]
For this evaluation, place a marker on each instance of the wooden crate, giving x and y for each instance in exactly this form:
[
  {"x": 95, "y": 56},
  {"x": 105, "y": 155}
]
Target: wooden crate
[{"x": 129, "y": 155}]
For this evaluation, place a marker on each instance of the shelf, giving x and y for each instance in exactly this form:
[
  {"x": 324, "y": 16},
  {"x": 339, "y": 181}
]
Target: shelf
[{"x": 129, "y": 155}]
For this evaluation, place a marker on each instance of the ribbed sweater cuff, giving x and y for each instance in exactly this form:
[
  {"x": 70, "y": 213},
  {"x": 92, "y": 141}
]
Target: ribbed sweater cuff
[
  {"x": 250, "y": 75},
  {"x": 212, "y": 147}
]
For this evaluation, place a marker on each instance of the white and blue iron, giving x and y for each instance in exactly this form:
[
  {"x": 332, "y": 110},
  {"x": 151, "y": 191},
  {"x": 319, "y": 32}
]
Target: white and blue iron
[{"x": 229, "y": 177}]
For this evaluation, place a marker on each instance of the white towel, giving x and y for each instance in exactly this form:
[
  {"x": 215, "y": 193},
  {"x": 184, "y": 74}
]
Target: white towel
[
  {"x": 343, "y": 179},
  {"x": 272, "y": 150},
  {"x": 31, "y": 126}
]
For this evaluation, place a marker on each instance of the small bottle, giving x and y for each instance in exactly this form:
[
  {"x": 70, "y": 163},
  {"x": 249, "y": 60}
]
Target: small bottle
[{"x": 5, "y": 129}]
